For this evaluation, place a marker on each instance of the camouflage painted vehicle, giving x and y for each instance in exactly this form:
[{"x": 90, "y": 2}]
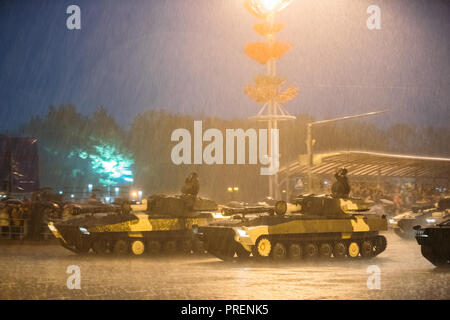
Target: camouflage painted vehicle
[
  {"x": 166, "y": 226},
  {"x": 73, "y": 209},
  {"x": 316, "y": 226}
]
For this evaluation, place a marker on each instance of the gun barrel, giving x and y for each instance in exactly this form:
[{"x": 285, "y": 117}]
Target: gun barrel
[{"x": 247, "y": 210}]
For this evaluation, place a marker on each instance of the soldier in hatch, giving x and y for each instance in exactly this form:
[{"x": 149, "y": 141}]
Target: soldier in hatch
[
  {"x": 190, "y": 190},
  {"x": 191, "y": 185},
  {"x": 341, "y": 188}
]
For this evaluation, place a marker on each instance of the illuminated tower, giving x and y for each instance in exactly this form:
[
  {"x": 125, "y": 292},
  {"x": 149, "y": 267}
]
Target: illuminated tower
[{"x": 267, "y": 89}]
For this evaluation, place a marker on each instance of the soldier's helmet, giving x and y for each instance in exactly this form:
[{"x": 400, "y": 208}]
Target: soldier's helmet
[{"x": 192, "y": 176}]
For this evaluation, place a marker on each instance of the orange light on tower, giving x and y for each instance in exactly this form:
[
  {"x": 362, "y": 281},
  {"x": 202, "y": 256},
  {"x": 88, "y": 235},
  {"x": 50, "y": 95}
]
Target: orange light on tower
[
  {"x": 261, "y": 8},
  {"x": 267, "y": 89}
]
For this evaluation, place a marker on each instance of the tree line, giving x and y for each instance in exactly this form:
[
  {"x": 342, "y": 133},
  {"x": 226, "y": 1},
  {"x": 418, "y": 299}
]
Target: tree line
[{"x": 68, "y": 139}]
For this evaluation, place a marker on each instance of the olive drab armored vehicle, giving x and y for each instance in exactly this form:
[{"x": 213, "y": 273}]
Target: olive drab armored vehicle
[
  {"x": 322, "y": 226},
  {"x": 435, "y": 243},
  {"x": 426, "y": 216},
  {"x": 165, "y": 227}
]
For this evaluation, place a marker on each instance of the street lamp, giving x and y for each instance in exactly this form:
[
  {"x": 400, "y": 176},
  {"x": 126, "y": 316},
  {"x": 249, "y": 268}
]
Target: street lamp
[
  {"x": 264, "y": 7},
  {"x": 309, "y": 139},
  {"x": 233, "y": 192},
  {"x": 267, "y": 89}
]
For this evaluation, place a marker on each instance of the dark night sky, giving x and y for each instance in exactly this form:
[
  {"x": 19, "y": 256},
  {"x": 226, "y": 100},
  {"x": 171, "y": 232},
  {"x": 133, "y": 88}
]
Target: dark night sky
[{"x": 187, "y": 56}]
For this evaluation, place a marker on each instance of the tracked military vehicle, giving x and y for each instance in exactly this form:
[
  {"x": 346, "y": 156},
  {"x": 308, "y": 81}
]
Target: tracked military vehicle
[
  {"x": 165, "y": 227},
  {"x": 425, "y": 216},
  {"x": 88, "y": 208},
  {"x": 317, "y": 226},
  {"x": 435, "y": 243}
]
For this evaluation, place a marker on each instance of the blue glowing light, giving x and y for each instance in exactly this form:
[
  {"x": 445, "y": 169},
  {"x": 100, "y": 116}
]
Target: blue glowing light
[{"x": 112, "y": 166}]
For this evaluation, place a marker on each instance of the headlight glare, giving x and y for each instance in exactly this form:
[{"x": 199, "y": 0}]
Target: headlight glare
[
  {"x": 84, "y": 231},
  {"x": 242, "y": 233}
]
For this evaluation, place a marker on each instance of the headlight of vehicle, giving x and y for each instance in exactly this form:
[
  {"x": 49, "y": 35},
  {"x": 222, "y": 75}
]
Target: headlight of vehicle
[
  {"x": 242, "y": 233},
  {"x": 392, "y": 221},
  {"x": 84, "y": 231},
  {"x": 431, "y": 220}
]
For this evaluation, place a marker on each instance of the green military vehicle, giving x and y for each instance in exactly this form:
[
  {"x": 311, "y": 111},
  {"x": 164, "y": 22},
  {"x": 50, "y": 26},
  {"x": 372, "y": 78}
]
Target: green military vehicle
[
  {"x": 435, "y": 243},
  {"x": 164, "y": 227},
  {"x": 316, "y": 226},
  {"x": 426, "y": 216}
]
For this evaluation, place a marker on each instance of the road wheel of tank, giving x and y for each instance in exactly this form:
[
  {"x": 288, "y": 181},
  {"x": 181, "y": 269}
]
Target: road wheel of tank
[
  {"x": 137, "y": 247},
  {"x": 198, "y": 247},
  {"x": 186, "y": 246},
  {"x": 325, "y": 250},
  {"x": 169, "y": 247},
  {"x": 353, "y": 250},
  {"x": 241, "y": 253},
  {"x": 101, "y": 245},
  {"x": 295, "y": 251},
  {"x": 279, "y": 252},
  {"x": 339, "y": 250},
  {"x": 83, "y": 245},
  {"x": 366, "y": 249},
  {"x": 120, "y": 247},
  {"x": 263, "y": 248},
  {"x": 380, "y": 244},
  {"x": 311, "y": 250},
  {"x": 153, "y": 247}
]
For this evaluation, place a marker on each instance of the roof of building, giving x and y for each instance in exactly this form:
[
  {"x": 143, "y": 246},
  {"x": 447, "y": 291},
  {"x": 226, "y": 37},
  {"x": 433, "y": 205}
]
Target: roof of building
[{"x": 363, "y": 163}]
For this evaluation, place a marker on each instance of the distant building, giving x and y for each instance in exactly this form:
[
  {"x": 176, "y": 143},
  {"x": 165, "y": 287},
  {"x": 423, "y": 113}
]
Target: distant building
[{"x": 19, "y": 164}]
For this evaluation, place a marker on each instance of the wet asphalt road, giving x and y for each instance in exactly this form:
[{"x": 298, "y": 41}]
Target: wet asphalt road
[{"x": 39, "y": 272}]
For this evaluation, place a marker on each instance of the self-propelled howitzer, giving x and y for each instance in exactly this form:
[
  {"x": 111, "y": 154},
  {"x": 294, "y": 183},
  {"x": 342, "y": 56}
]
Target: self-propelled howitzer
[
  {"x": 165, "y": 227},
  {"x": 316, "y": 226}
]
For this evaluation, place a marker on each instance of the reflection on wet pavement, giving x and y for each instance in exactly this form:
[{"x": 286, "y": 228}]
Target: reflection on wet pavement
[{"x": 39, "y": 272}]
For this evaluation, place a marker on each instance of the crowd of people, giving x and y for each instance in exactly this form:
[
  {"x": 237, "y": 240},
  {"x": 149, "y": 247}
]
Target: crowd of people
[
  {"x": 402, "y": 195},
  {"x": 13, "y": 217}
]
